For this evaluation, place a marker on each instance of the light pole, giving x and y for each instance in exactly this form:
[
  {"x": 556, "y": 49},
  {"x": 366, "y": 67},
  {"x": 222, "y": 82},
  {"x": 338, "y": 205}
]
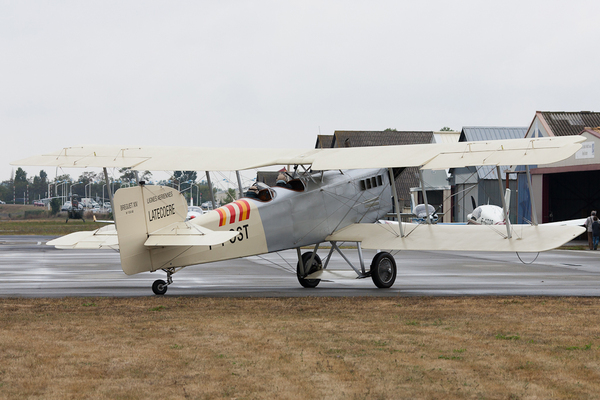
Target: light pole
[
  {"x": 85, "y": 193},
  {"x": 191, "y": 189},
  {"x": 71, "y": 191}
]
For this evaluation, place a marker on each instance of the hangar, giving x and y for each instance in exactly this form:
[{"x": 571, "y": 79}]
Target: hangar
[
  {"x": 569, "y": 189},
  {"x": 479, "y": 185}
]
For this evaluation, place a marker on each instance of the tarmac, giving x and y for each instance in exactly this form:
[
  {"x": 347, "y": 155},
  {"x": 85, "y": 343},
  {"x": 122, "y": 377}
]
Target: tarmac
[{"x": 29, "y": 268}]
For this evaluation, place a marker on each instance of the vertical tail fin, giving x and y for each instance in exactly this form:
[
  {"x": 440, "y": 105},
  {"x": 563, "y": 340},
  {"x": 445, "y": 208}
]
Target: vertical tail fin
[{"x": 139, "y": 211}]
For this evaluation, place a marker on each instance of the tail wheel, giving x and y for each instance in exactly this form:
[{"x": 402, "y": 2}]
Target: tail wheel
[
  {"x": 159, "y": 287},
  {"x": 314, "y": 267},
  {"x": 383, "y": 270}
]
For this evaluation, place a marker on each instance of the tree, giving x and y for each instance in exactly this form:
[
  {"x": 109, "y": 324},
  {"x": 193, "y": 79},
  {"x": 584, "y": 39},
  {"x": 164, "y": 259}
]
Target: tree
[
  {"x": 446, "y": 129},
  {"x": 39, "y": 187},
  {"x": 390, "y": 130},
  {"x": 230, "y": 197},
  {"x": 55, "y": 206},
  {"x": 127, "y": 175},
  {"x": 87, "y": 177},
  {"x": 204, "y": 192},
  {"x": 20, "y": 185},
  {"x": 146, "y": 176},
  {"x": 20, "y": 176},
  {"x": 182, "y": 181},
  {"x": 5, "y": 192}
]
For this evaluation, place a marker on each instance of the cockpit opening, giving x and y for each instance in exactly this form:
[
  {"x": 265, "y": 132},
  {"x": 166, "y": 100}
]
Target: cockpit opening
[{"x": 259, "y": 191}]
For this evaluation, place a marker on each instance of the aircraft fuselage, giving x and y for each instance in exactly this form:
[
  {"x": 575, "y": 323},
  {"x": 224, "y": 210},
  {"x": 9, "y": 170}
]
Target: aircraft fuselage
[{"x": 287, "y": 218}]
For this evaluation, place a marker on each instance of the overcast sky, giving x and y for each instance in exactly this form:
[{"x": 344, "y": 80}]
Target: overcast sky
[{"x": 276, "y": 73}]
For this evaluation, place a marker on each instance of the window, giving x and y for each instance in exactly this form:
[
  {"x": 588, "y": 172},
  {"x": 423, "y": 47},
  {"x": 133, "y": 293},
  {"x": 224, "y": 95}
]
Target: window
[{"x": 370, "y": 183}]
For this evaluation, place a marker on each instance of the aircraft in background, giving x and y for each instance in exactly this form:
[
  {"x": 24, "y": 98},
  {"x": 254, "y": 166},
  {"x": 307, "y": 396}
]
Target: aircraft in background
[
  {"x": 335, "y": 195},
  {"x": 489, "y": 214}
]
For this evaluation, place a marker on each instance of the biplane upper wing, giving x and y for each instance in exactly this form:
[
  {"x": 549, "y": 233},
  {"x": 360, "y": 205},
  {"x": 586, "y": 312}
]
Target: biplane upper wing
[
  {"x": 530, "y": 151},
  {"x": 525, "y": 238}
]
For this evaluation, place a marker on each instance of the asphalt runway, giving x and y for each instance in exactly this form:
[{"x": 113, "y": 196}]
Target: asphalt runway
[{"x": 29, "y": 268}]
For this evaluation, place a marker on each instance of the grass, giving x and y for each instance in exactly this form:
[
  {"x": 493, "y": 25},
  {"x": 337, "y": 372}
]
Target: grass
[
  {"x": 19, "y": 219},
  {"x": 49, "y": 227},
  {"x": 299, "y": 348}
]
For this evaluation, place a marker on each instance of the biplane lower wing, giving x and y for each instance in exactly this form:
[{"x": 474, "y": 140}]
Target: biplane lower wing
[{"x": 525, "y": 238}]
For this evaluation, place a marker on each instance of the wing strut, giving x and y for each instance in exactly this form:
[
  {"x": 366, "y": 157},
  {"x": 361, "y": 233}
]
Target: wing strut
[
  {"x": 504, "y": 210},
  {"x": 210, "y": 189},
  {"x": 529, "y": 185},
  {"x": 110, "y": 196},
  {"x": 424, "y": 196},
  {"x": 239, "y": 181},
  {"x": 395, "y": 194}
]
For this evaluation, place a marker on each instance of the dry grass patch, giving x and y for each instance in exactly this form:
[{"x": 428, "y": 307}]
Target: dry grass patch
[{"x": 298, "y": 348}]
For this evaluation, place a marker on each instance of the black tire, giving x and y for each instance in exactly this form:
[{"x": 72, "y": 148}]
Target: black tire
[
  {"x": 383, "y": 270},
  {"x": 159, "y": 287},
  {"x": 316, "y": 265}
]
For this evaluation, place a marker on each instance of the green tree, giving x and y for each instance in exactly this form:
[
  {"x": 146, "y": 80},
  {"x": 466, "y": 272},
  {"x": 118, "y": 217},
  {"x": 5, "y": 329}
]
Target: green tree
[
  {"x": 39, "y": 188},
  {"x": 446, "y": 129},
  {"x": 5, "y": 192},
  {"x": 87, "y": 177},
  {"x": 230, "y": 196},
  {"x": 204, "y": 192},
  {"x": 390, "y": 130},
  {"x": 127, "y": 175},
  {"x": 54, "y": 206},
  {"x": 20, "y": 185},
  {"x": 20, "y": 176}
]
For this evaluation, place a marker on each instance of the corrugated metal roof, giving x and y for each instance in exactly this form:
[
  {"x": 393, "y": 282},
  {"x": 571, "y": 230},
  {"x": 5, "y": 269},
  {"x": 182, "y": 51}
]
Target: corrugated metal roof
[
  {"x": 380, "y": 138},
  {"x": 324, "y": 141},
  {"x": 571, "y": 123},
  {"x": 481, "y": 133}
]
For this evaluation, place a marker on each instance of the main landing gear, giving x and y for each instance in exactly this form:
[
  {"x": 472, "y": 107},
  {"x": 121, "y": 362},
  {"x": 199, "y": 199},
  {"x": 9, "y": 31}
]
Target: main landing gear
[
  {"x": 159, "y": 287},
  {"x": 309, "y": 269}
]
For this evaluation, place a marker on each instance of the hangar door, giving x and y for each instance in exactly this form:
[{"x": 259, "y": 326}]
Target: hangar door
[{"x": 570, "y": 195}]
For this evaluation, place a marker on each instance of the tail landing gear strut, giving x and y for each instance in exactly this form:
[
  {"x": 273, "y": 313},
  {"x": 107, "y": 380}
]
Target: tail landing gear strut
[{"x": 159, "y": 287}]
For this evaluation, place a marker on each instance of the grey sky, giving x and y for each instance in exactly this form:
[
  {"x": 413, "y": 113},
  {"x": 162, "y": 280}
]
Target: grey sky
[{"x": 270, "y": 73}]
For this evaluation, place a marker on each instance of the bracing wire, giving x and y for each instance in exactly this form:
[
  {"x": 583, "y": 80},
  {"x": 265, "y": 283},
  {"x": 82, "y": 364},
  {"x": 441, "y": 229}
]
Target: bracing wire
[{"x": 520, "y": 259}]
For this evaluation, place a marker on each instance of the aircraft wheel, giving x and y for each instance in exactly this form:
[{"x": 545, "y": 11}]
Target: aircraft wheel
[
  {"x": 159, "y": 287},
  {"x": 383, "y": 270},
  {"x": 316, "y": 265}
]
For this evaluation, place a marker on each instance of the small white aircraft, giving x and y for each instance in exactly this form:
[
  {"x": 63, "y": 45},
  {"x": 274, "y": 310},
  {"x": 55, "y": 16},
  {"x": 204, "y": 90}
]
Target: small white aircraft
[
  {"x": 489, "y": 214},
  {"x": 335, "y": 195},
  {"x": 420, "y": 214}
]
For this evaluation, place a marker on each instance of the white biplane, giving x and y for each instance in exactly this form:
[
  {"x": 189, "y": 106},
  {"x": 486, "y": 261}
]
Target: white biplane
[{"x": 334, "y": 195}]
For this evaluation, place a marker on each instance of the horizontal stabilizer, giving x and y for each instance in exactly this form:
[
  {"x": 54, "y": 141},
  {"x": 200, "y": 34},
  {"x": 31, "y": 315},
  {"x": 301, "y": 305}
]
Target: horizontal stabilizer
[
  {"x": 188, "y": 234},
  {"x": 103, "y": 238},
  {"x": 525, "y": 238}
]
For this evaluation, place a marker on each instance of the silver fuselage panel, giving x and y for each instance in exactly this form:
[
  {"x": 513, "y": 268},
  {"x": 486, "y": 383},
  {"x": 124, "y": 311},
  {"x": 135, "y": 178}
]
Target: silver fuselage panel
[{"x": 329, "y": 202}]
